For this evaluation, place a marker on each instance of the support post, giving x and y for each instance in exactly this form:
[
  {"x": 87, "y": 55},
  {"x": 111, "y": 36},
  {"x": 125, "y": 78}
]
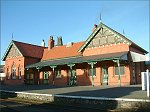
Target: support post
[
  {"x": 53, "y": 68},
  {"x": 119, "y": 79},
  {"x": 25, "y": 75},
  {"x": 38, "y": 68},
  {"x": 144, "y": 79},
  {"x": 71, "y": 77},
  {"x": 92, "y": 66},
  {"x": 147, "y": 74}
]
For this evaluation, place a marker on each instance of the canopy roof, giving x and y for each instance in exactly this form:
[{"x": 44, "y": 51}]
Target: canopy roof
[
  {"x": 136, "y": 57},
  {"x": 80, "y": 59}
]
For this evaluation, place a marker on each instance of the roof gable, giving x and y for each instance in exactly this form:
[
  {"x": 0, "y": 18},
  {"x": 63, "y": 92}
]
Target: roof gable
[
  {"x": 12, "y": 51},
  {"x": 27, "y": 50},
  {"x": 30, "y": 50},
  {"x": 104, "y": 35}
]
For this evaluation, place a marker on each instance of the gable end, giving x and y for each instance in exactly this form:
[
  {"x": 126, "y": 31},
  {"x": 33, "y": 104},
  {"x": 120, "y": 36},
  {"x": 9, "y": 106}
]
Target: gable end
[
  {"x": 103, "y": 35},
  {"x": 12, "y": 51}
]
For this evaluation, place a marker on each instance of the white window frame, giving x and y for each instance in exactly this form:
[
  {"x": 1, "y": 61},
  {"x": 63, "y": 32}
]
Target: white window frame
[
  {"x": 13, "y": 71},
  {"x": 58, "y": 73},
  {"x": 45, "y": 72}
]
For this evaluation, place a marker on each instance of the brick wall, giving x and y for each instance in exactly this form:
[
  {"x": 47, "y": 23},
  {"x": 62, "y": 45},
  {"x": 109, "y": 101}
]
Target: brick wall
[
  {"x": 17, "y": 61},
  {"x": 106, "y": 49}
]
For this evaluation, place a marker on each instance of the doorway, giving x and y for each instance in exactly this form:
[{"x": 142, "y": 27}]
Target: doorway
[
  {"x": 105, "y": 75},
  {"x": 46, "y": 77}
]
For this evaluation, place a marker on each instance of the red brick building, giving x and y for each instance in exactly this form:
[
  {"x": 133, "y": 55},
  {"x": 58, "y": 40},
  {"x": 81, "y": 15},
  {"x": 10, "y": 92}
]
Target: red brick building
[{"x": 103, "y": 59}]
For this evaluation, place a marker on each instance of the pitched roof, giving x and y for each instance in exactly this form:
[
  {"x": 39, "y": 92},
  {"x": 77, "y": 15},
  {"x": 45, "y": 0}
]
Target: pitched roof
[
  {"x": 117, "y": 33},
  {"x": 26, "y": 49},
  {"x": 30, "y": 50},
  {"x": 62, "y": 51},
  {"x": 79, "y": 59}
]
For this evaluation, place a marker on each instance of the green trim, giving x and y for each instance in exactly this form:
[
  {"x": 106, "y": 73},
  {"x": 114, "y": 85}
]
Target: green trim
[
  {"x": 53, "y": 66},
  {"x": 6, "y": 53},
  {"x": 96, "y": 31},
  {"x": 71, "y": 65},
  {"x": 72, "y": 62}
]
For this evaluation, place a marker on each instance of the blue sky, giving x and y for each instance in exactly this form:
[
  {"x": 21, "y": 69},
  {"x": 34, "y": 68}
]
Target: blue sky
[{"x": 32, "y": 21}]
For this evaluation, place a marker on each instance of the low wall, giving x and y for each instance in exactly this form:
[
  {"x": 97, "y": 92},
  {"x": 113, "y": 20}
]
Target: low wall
[{"x": 92, "y": 102}]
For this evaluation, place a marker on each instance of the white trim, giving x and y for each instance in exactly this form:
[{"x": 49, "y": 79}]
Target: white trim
[
  {"x": 136, "y": 57},
  {"x": 83, "y": 97}
]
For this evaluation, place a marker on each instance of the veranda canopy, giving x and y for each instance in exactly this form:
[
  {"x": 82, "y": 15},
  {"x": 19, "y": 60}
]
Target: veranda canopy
[
  {"x": 81, "y": 59},
  {"x": 136, "y": 57}
]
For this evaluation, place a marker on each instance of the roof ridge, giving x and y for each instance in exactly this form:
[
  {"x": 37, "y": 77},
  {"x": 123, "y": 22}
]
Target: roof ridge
[
  {"x": 66, "y": 44},
  {"x": 29, "y": 44},
  {"x": 74, "y": 42},
  {"x": 62, "y": 58}
]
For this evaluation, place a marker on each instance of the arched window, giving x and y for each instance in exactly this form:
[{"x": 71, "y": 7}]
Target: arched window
[
  {"x": 13, "y": 71},
  {"x": 19, "y": 72}
]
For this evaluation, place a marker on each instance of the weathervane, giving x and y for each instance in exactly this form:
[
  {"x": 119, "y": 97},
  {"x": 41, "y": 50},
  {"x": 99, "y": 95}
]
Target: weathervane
[
  {"x": 123, "y": 31},
  {"x": 100, "y": 18},
  {"x": 12, "y": 36}
]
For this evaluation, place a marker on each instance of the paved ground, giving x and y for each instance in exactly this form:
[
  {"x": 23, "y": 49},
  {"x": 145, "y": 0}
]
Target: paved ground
[
  {"x": 133, "y": 91},
  {"x": 12, "y": 105},
  {"x": 15, "y": 105}
]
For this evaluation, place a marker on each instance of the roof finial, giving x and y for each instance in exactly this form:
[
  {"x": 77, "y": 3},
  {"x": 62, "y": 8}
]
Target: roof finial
[{"x": 12, "y": 36}]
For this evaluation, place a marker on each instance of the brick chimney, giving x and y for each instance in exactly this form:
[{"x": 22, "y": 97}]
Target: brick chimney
[
  {"x": 59, "y": 41},
  {"x": 95, "y": 26},
  {"x": 50, "y": 43}
]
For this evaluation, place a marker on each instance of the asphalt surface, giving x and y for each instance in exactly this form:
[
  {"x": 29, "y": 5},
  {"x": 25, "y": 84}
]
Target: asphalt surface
[{"x": 131, "y": 92}]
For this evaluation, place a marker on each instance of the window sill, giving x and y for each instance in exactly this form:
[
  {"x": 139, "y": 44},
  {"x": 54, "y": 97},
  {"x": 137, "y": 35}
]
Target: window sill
[
  {"x": 120, "y": 75},
  {"x": 93, "y": 76},
  {"x": 58, "y": 77}
]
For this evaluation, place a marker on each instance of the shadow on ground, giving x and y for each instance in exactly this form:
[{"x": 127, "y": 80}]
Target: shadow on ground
[{"x": 113, "y": 92}]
